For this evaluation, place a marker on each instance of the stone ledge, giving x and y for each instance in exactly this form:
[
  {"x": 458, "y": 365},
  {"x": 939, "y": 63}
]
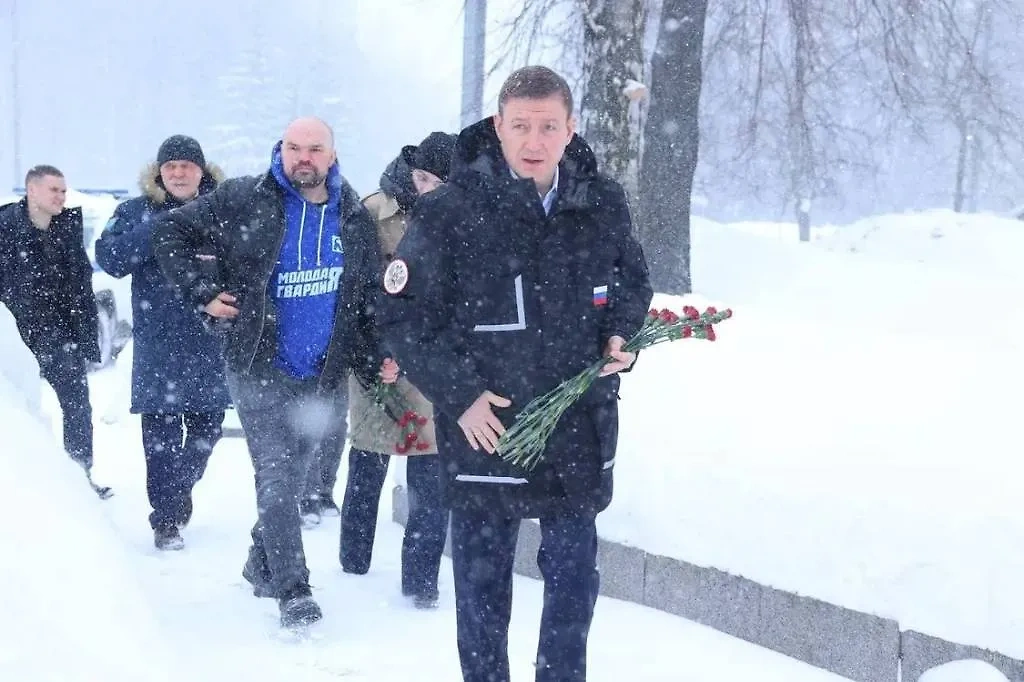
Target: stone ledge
[{"x": 922, "y": 652}]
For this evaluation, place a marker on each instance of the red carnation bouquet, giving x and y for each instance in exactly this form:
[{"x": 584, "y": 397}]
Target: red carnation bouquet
[
  {"x": 523, "y": 444},
  {"x": 388, "y": 398}
]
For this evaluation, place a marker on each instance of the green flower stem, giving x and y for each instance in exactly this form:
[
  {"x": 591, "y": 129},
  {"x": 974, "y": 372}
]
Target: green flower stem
[{"x": 524, "y": 443}]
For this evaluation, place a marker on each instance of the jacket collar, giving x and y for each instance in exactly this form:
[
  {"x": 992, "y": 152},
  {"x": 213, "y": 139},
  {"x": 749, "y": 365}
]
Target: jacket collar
[
  {"x": 22, "y": 218},
  {"x": 478, "y": 160},
  {"x": 348, "y": 200}
]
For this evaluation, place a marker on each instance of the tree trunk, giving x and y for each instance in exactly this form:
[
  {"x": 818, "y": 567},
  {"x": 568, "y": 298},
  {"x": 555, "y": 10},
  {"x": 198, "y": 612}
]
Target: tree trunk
[
  {"x": 803, "y": 219},
  {"x": 671, "y": 138},
  {"x": 613, "y": 86},
  {"x": 961, "y": 168},
  {"x": 974, "y": 177},
  {"x": 801, "y": 142}
]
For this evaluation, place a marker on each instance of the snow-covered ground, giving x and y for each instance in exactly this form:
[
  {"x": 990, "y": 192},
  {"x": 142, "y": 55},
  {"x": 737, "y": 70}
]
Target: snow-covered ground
[
  {"x": 963, "y": 671},
  {"x": 72, "y": 607},
  {"x": 850, "y": 436},
  {"x": 853, "y": 435},
  {"x": 88, "y": 597}
]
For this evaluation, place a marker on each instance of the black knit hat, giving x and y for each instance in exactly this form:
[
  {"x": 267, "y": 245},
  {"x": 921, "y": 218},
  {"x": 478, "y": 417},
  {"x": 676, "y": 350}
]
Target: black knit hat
[
  {"x": 180, "y": 148},
  {"x": 434, "y": 154}
]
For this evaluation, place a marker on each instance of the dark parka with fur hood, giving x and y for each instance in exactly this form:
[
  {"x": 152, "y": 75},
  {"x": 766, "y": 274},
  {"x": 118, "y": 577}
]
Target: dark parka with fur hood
[{"x": 177, "y": 366}]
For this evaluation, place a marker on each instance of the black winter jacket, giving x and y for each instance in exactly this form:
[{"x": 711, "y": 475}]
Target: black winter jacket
[
  {"x": 501, "y": 297},
  {"x": 244, "y": 220},
  {"x": 46, "y": 281}
]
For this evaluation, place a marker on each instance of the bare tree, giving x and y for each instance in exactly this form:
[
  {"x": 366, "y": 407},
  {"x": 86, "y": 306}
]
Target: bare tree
[
  {"x": 672, "y": 137},
  {"x": 613, "y": 87},
  {"x": 806, "y": 100},
  {"x": 599, "y": 46},
  {"x": 958, "y": 86},
  {"x": 545, "y": 30},
  {"x": 780, "y": 74}
]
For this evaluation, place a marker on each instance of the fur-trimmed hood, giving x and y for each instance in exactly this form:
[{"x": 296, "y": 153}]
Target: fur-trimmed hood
[{"x": 153, "y": 189}]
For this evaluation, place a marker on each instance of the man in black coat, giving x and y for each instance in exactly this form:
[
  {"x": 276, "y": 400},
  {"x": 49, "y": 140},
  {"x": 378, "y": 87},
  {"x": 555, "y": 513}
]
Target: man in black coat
[
  {"x": 178, "y": 381},
  {"x": 294, "y": 295},
  {"x": 46, "y": 282},
  {"x": 514, "y": 276}
]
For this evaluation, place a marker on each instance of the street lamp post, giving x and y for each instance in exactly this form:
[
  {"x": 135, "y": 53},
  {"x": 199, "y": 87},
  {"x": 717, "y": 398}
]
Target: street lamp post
[
  {"x": 473, "y": 45},
  {"x": 15, "y": 105}
]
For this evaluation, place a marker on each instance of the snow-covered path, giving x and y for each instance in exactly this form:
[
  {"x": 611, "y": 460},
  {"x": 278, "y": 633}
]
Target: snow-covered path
[{"x": 219, "y": 631}]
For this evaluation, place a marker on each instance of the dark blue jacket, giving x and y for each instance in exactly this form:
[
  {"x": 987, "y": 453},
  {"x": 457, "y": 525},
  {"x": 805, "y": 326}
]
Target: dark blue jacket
[
  {"x": 177, "y": 366},
  {"x": 501, "y": 297}
]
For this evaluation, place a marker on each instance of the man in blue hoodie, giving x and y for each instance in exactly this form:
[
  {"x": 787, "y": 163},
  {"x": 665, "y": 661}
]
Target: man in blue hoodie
[{"x": 293, "y": 295}]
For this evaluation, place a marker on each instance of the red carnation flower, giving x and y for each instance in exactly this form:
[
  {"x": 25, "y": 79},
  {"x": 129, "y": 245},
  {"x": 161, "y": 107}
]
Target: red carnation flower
[{"x": 524, "y": 442}]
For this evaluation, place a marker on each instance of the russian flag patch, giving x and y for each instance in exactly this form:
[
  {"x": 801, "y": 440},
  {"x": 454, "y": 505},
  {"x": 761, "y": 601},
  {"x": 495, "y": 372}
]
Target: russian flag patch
[{"x": 601, "y": 295}]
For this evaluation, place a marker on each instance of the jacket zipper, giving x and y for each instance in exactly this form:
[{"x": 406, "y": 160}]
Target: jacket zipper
[
  {"x": 263, "y": 307},
  {"x": 342, "y": 221}
]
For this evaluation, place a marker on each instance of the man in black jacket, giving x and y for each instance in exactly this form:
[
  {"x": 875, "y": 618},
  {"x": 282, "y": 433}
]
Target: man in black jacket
[
  {"x": 297, "y": 261},
  {"x": 46, "y": 282},
  {"x": 514, "y": 276}
]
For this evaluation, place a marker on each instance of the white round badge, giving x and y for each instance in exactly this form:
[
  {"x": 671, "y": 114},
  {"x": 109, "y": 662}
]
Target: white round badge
[{"x": 396, "y": 276}]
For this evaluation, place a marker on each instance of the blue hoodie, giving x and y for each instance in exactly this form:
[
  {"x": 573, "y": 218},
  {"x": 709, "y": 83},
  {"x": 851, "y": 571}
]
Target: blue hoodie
[{"x": 304, "y": 285}]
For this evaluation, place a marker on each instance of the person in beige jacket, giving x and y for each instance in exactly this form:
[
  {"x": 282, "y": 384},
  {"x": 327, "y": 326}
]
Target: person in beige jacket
[{"x": 416, "y": 171}]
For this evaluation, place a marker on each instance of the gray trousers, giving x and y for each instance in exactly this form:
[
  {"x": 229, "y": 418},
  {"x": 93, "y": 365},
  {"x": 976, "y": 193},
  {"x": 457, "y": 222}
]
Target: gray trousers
[
  {"x": 323, "y": 469},
  {"x": 285, "y": 421}
]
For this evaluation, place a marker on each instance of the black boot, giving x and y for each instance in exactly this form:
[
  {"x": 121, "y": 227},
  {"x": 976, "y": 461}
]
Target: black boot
[
  {"x": 298, "y": 608},
  {"x": 257, "y": 575},
  {"x": 427, "y": 600},
  {"x": 168, "y": 538},
  {"x": 423, "y": 599},
  {"x": 309, "y": 510},
  {"x": 327, "y": 505}
]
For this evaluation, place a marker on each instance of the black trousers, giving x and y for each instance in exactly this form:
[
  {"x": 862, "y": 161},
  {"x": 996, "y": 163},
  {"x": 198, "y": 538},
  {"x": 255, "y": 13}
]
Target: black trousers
[
  {"x": 64, "y": 369},
  {"x": 177, "y": 448},
  {"x": 425, "y": 531},
  {"x": 483, "y": 551}
]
